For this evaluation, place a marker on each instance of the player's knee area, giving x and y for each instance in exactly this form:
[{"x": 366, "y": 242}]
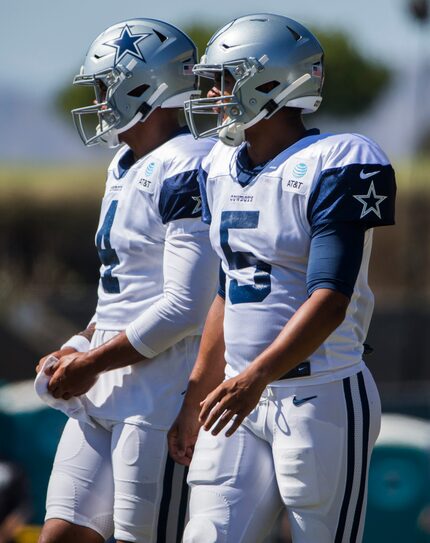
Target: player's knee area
[
  {"x": 210, "y": 514},
  {"x": 73, "y": 501},
  {"x": 61, "y": 531},
  {"x": 306, "y": 526},
  {"x": 201, "y": 529},
  {"x": 135, "y": 513}
]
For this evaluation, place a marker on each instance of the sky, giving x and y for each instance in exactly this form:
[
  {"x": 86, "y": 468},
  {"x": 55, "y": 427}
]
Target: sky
[{"x": 43, "y": 42}]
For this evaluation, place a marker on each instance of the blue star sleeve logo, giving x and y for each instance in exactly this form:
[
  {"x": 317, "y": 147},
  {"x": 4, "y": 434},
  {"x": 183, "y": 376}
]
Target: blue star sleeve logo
[
  {"x": 371, "y": 201},
  {"x": 127, "y": 43}
]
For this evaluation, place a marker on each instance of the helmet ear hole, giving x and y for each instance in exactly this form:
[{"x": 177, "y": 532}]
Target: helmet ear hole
[
  {"x": 267, "y": 87},
  {"x": 138, "y": 91}
]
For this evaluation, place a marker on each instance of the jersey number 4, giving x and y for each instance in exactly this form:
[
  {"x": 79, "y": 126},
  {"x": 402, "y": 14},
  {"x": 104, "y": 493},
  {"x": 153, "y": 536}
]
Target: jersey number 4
[
  {"x": 107, "y": 255},
  {"x": 237, "y": 260}
]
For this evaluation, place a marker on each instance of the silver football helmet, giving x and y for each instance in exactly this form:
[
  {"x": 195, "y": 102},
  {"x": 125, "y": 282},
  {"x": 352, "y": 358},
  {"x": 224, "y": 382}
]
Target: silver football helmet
[
  {"x": 274, "y": 61},
  {"x": 134, "y": 67}
]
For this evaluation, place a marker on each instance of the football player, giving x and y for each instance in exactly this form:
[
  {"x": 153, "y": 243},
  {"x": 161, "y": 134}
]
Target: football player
[
  {"x": 289, "y": 410},
  {"x": 112, "y": 473}
]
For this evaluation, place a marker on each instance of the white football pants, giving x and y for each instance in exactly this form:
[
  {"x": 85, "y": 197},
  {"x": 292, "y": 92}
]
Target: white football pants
[
  {"x": 118, "y": 479},
  {"x": 304, "y": 447}
]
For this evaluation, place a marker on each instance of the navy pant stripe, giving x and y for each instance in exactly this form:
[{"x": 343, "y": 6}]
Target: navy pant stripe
[
  {"x": 350, "y": 461},
  {"x": 365, "y": 448},
  {"x": 165, "y": 501},
  {"x": 182, "y": 507}
]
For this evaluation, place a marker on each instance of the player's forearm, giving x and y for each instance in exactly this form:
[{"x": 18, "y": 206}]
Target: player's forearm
[
  {"x": 310, "y": 326},
  {"x": 208, "y": 371},
  {"x": 115, "y": 353}
]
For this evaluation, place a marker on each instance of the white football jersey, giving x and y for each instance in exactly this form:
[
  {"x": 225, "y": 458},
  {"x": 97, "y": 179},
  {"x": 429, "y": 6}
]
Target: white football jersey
[
  {"x": 261, "y": 222},
  {"x": 157, "y": 279},
  {"x": 141, "y": 207}
]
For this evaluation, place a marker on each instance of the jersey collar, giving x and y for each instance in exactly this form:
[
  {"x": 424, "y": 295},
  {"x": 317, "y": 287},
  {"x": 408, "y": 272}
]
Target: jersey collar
[{"x": 246, "y": 172}]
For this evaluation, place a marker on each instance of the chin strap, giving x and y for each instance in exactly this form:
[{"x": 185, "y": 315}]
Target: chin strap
[
  {"x": 110, "y": 139},
  {"x": 233, "y": 134}
]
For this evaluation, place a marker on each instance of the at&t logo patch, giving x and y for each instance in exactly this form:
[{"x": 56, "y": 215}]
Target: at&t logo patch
[
  {"x": 298, "y": 174},
  {"x": 150, "y": 169},
  {"x": 148, "y": 175},
  {"x": 300, "y": 170}
]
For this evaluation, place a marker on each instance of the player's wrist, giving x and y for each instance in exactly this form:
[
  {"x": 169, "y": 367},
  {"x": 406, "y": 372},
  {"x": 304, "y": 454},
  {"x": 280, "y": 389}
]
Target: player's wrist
[
  {"x": 259, "y": 374},
  {"x": 191, "y": 405},
  {"x": 199, "y": 386},
  {"x": 194, "y": 395},
  {"x": 77, "y": 342}
]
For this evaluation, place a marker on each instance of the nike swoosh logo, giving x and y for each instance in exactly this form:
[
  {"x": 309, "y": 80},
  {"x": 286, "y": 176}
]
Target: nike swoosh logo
[
  {"x": 369, "y": 174},
  {"x": 298, "y": 402}
]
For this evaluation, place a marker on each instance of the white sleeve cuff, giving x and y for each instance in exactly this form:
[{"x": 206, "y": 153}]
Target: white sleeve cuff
[
  {"x": 133, "y": 338},
  {"x": 78, "y": 342}
]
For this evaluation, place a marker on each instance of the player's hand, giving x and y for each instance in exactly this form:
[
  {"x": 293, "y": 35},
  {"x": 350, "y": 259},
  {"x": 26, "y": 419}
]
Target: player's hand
[
  {"x": 182, "y": 435},
  {"x": 73, "y": 375},
  {"x": 232, "y": 400},
  {"x": 58, "y": 354}
]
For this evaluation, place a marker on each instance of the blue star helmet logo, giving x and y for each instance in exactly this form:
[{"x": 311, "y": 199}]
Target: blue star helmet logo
[{"x": 127, "y": 43}]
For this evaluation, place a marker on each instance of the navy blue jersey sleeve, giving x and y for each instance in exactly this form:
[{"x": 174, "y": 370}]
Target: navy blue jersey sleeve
[
  {"x": 202, "y": 178},
  {"x": 335, "y": 256},
  {"x": 180, "y": 197},
  {"x": 221, "y": 287},
  {"x": 357, "y": 193}
]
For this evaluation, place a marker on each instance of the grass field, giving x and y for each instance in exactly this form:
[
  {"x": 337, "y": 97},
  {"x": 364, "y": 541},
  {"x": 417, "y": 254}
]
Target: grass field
[{"x": 46, "y": 182}]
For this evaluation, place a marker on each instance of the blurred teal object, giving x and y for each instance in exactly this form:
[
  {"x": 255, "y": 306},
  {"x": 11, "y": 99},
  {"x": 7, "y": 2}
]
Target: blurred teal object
[
  {"x": 398, "y": 507},
  {"x": 29, "y": 434}
]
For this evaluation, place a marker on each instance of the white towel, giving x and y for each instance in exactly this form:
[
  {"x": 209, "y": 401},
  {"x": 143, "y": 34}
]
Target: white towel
[{"x": 73, "y": 408}]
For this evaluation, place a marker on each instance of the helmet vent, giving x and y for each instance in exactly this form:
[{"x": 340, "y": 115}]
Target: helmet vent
[
  {"x": 295, "y": 34},
  {"x": 138, "y": 91},
  {"x": 161, "y": 36},
  {"x": 259, "y": 20},
  {"x": 267, "y": 87}
]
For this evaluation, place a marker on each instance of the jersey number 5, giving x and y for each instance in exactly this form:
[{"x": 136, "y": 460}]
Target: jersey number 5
[
  {"x": 107, "y": 255},
  {"x": 238, "y": 260}
]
